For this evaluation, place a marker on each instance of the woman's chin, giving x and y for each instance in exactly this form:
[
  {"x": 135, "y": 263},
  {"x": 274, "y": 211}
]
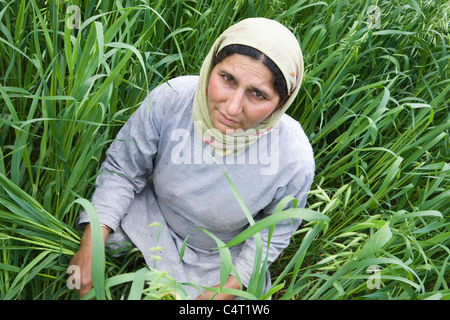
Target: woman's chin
[{"x": 223, "y": 128}]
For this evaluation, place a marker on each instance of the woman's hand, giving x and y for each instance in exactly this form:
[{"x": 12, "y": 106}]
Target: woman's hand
[
  {"x": 83, "y": 259},
  {"x": 231, "y": 283}
]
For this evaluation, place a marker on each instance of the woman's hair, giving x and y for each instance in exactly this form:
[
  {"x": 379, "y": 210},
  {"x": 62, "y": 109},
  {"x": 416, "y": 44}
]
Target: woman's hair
[{"x": 278, "y": 81}]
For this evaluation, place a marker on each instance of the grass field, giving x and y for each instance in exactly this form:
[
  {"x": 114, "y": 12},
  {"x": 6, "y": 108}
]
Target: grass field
[{"x": 374, "y": 103}]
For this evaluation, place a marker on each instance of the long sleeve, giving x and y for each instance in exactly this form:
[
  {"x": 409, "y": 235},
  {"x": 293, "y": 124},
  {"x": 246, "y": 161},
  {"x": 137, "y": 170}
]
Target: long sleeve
[{"x": 128, "y": 163}]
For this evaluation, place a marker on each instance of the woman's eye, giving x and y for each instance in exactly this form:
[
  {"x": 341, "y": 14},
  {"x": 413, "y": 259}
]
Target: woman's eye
[
  {"x": 228, "y": 78},
  {"x": 258, "y": 94}
]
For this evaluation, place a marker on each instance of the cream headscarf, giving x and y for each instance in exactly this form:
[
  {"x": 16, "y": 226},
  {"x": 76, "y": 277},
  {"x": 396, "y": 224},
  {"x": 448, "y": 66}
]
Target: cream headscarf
[{"x": 278, "y": 44}]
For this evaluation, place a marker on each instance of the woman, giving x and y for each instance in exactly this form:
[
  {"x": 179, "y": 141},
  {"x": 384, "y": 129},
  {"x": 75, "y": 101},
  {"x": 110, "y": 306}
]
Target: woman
[{"x": 166, "y": 164}]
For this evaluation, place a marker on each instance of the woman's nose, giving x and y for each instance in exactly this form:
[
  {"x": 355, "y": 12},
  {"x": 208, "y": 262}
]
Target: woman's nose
[{"x": 234, "y": 103}]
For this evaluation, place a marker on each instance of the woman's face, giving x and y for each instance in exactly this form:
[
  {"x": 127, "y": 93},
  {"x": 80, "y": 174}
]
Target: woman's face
[{"x": 240, "y": 94}]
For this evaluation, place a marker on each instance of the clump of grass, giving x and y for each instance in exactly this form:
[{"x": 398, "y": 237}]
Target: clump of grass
[
  {"x": 374, "y": 103},
  {"x": 376, "y": 109}
]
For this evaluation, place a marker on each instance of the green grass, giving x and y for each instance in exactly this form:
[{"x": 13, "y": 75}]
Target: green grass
[{"x": 374, "y": 103}]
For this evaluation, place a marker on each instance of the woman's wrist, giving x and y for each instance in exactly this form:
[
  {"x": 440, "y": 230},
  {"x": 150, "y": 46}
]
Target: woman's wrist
[
  {"x": 104, "y": 226},
  {"x": 105, "y": 231}
]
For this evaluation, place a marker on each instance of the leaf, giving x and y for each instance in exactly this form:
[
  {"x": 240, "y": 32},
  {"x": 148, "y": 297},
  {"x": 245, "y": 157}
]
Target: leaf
[
  {"x": 225, "y": 258},
  {"x": 364, "y": 187},
  {"x": 299, "y": 213},
  {"x": 137, "y": 285},
  {"x": 375, "y": 243},
  {"x": 98, "y": 249}
]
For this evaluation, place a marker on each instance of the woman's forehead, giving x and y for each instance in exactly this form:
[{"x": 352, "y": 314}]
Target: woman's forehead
[{"x": 245, "y": 68}]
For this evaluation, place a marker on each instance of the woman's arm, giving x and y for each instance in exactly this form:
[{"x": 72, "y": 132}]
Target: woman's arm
[
  {"x": 128, "y": 163},
  {"x": 83, "y": 259}
]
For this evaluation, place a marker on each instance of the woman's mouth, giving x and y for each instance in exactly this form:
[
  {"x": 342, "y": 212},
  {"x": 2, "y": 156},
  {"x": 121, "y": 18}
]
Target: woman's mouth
[{"x": 226, "y": 120}]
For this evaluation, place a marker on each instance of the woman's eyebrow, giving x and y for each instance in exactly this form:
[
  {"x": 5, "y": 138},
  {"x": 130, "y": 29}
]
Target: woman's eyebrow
[
  {"x": 262, "y": 92},
  {"x": 226, "y": 73}
]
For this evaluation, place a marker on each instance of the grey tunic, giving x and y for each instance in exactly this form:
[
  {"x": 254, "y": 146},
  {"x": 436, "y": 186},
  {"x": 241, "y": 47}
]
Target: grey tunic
[{"x": 159, "y": 170}]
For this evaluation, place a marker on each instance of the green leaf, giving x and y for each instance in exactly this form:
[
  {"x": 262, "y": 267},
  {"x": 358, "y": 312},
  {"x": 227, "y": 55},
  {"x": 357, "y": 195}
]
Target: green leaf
[
  {"x": 299, "y": 213},
  {"x": 375, "y": 243},
  {"x": 98, "y": 249}
]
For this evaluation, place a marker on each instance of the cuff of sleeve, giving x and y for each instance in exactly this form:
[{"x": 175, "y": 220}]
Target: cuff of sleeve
[
  {"x": 244, "y": 265},
  {"x": 83, "y": 219}
]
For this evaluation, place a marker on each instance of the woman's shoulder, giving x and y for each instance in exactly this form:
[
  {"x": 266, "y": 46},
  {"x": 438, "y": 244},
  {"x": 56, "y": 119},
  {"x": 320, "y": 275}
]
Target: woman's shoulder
[
  {"x": 293, "y": 128},
  {"x": 174, "y": 96},
  {"x": 182, "y": 85},
  {"x": 294, "y": 143}
]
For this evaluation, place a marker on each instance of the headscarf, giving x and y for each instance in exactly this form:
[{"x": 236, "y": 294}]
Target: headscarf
[{"x": 277, "y": 43}]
